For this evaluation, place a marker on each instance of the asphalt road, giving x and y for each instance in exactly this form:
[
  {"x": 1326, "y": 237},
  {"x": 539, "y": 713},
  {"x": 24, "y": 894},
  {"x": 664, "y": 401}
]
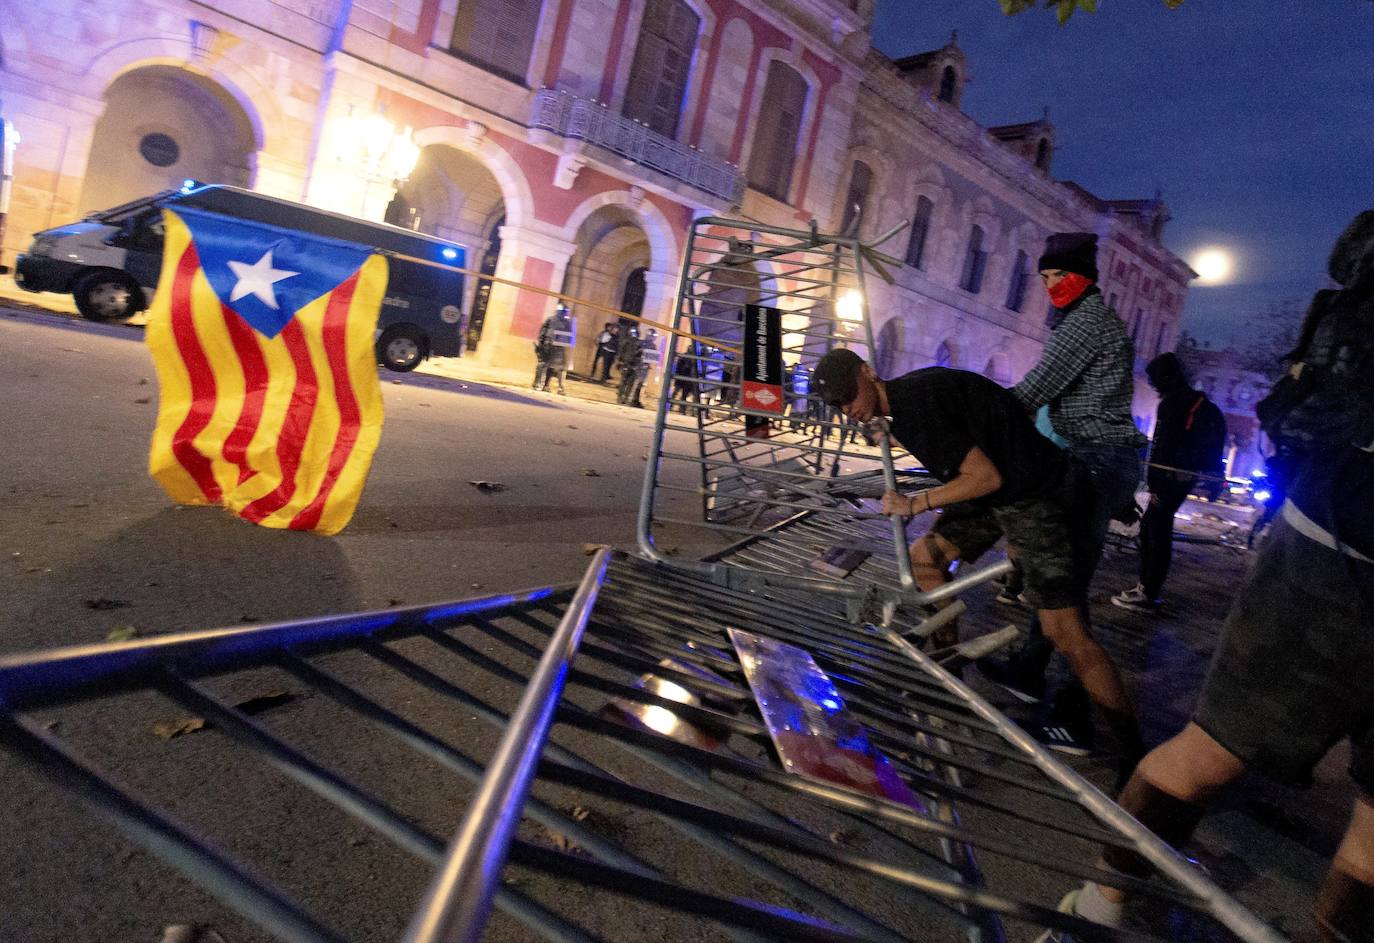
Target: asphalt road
[{"x": 90, "y": 542}]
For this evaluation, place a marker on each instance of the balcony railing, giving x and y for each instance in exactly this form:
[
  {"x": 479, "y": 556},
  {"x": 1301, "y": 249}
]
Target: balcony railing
[{"x": 569, "y": 116}]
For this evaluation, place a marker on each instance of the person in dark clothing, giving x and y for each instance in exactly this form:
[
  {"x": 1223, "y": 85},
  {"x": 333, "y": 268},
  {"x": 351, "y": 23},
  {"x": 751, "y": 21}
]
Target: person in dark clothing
[
  {"x": 686, "y": 377},
  {"x": 1000, "y": 477},
  {"x": 1290, "y": 676},
  {"x": 1085, "y": 377},
  {"x": 1190, "y": 433},
  {"x": 628, "y": 361},
  {"x": 556, "y": 337},
  {"x": 607, "y": 345}
]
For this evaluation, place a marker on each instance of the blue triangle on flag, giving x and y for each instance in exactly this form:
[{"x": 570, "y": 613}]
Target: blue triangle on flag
[{"x": 266, "y": 274}]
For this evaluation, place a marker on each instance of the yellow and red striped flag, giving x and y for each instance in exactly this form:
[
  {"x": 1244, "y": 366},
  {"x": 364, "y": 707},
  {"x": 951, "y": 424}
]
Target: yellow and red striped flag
[{"x": 263, "y": 343}]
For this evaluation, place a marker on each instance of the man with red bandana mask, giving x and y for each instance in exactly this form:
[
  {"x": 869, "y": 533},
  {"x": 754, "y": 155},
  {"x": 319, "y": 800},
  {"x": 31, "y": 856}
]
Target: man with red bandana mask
[{"x": 1085, "y": 378}]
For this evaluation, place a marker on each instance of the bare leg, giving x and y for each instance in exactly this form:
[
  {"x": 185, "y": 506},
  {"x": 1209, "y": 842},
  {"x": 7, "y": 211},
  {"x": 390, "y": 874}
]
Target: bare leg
[
  {"x": 931, "y": 558},
  {"x": 1345, "y": 901},
  {"x": 1068, "y": 630}
]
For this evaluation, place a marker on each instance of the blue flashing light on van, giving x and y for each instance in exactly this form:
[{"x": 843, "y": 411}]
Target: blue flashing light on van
[{"x": 111, "y": 260}]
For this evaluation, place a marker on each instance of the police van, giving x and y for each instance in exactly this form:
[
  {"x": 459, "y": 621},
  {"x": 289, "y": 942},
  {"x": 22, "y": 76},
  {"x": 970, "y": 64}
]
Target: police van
[{"x": 111, "y": 260}]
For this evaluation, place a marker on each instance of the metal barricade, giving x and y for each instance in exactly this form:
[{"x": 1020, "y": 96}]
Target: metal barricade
[
  {"x": 615, "y": 718},
  {"x": 762, "y": 305}
]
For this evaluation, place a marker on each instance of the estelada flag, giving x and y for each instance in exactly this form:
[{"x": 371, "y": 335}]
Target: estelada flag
[{"x": 263, "y": 343}]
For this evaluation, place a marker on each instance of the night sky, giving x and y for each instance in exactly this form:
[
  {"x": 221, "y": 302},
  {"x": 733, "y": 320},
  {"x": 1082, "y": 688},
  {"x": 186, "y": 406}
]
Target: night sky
[{"x": 1255, "y": 118}]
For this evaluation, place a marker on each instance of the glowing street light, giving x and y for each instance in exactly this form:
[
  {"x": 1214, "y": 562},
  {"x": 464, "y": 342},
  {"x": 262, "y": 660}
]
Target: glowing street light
[{"x": 850, "y": 306}]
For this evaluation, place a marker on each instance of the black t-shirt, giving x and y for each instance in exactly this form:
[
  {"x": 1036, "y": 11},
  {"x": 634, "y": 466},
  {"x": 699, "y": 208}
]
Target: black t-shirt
[{"x": 939, "y": 415}]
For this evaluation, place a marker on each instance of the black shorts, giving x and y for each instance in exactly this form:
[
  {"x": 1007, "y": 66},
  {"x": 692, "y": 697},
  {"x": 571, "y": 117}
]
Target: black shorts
[
  {"x": 1293, "y": 672},
  {"x": 1040, "y": 530}
]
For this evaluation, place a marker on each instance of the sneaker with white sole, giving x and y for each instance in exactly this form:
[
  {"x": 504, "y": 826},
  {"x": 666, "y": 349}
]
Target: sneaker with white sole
[
  {"x": 1074, "y": 739},
  {"x": 1136, "y": 600},
  {"x": 1066, "y": 906}
]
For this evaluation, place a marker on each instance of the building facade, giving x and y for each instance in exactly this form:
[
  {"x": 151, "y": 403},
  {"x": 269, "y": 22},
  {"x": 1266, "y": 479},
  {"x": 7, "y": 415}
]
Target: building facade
[{"x": 571, "y": 144}]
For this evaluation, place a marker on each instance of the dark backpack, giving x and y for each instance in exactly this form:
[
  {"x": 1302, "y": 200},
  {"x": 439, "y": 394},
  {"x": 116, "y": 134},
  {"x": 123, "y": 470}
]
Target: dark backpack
[
  {"x": 1326, "y": 401},
  {"x": 1204, "y": 436}
]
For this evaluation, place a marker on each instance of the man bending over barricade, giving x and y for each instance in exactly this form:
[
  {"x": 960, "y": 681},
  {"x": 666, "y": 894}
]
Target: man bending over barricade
[{"x": 1000, "y": 477}]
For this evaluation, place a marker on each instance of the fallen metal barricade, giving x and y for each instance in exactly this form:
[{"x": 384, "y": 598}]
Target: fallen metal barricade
[{"x": 616, "y": 718}]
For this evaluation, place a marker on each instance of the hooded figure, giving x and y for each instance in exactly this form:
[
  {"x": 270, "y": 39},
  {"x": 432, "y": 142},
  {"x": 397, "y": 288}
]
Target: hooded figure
[{"x": 1190, "y": 434}]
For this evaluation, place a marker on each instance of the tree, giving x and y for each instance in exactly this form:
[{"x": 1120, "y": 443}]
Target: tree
[
  {"x": 1063, "y": 9},
  {"x": 1271, "y": 333}
]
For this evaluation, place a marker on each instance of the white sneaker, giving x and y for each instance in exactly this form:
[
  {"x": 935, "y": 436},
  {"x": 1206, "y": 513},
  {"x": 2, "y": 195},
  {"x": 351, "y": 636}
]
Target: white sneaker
[
  {"x": 1066, "y": 906},
  {"x": 1135, "y": 600}
]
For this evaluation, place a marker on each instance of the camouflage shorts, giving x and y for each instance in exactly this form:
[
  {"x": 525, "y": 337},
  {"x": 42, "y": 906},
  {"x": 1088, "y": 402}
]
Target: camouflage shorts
[
  {"x": 1291, "y": 672},
  {"x": 1040, "y": 531}
]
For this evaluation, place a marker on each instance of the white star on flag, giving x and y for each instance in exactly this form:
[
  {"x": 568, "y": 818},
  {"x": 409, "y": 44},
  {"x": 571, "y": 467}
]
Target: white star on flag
[{"x": 257, "y": 280}]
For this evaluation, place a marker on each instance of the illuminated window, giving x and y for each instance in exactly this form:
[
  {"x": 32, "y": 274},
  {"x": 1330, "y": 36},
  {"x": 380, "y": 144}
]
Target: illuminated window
[{"x": 663, "y": 59}]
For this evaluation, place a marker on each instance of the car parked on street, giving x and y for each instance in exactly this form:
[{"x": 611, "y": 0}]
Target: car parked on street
[{"x": 110, "y": 263}]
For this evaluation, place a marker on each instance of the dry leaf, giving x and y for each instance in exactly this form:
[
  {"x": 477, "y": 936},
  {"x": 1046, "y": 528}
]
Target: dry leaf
[
  {"x": 122, "y": 633},
  {"x": 591, "y": 473},
  {"x": 591, "y": 549},
  {"x": 102, "y": 603},
  {"x": 176, "y": 728},
  {"x": 488, "y": 486}
]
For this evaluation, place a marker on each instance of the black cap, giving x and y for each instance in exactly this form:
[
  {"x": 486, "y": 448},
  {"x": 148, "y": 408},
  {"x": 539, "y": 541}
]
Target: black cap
[
  {"x": 836, "y": 377},
  {"x": 1072, "y": 252}
]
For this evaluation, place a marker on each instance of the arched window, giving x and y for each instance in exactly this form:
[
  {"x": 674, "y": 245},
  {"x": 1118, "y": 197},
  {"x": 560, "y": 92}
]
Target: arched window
[
  {"x": 632, "y": 297},
  {"x": 856, "y": 200},
  {"x": 1042, "y": 154},
  {"x": 996, "y": 369},
  {"x": 975, "y": 261},
  {"x": 497, "y": 35},
  {"x": 1020, "y": 275},
  {"x": 944, "y": 355},
  {"x": 948, "y": 80},
  {"x": 663, "y": 59},
  {"x": 779, "y": 127},
  {"x": 920, "y": 228}
]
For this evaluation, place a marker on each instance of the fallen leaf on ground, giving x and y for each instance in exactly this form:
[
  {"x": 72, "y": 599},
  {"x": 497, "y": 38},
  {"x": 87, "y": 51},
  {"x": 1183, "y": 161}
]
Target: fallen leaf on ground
[
  {"x": 122, "y": 633},
  {"x": 591, "y": 473},
  {"x": 103, "y": 603},
  {"x": 144, "y": 399},
  {"x": 171, "y": 729},
  {"x": 590, "y": 549},
  {"x": 488, "y": 486}
]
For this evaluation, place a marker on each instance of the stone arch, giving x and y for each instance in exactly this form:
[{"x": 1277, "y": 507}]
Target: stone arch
[
  {"x": 947, "y": 353},
  {"x": 893, "y": 339},
  {"x": 663, "y": 246},
  {"x": 454, "y": 195},
  {"x": 473, "y": 141},
  {"x": 257, "y": 100},
  {"x": 161, "y": 125},
  {"x": 998, "y": 367},
  {"x": 610, "y": 244}
]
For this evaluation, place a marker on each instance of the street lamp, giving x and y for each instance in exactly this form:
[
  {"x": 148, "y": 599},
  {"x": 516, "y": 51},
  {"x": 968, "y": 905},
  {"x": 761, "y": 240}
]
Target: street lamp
[
  {"x": 371, "y": 147},
  {"x": 850, "y": 306}
]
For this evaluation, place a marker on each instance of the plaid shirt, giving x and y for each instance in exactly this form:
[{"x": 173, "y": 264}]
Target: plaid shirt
[{"x": 1084, "y": 374}]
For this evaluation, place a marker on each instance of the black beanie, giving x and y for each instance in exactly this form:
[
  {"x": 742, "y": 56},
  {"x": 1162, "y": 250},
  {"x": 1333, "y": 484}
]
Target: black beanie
[{"x": 1072, "y": 252}]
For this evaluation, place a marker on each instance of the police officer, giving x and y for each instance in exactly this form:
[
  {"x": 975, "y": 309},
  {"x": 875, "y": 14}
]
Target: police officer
[
  {"x": 556, "y": 338},
  {"x": 630, "y": 360}
]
